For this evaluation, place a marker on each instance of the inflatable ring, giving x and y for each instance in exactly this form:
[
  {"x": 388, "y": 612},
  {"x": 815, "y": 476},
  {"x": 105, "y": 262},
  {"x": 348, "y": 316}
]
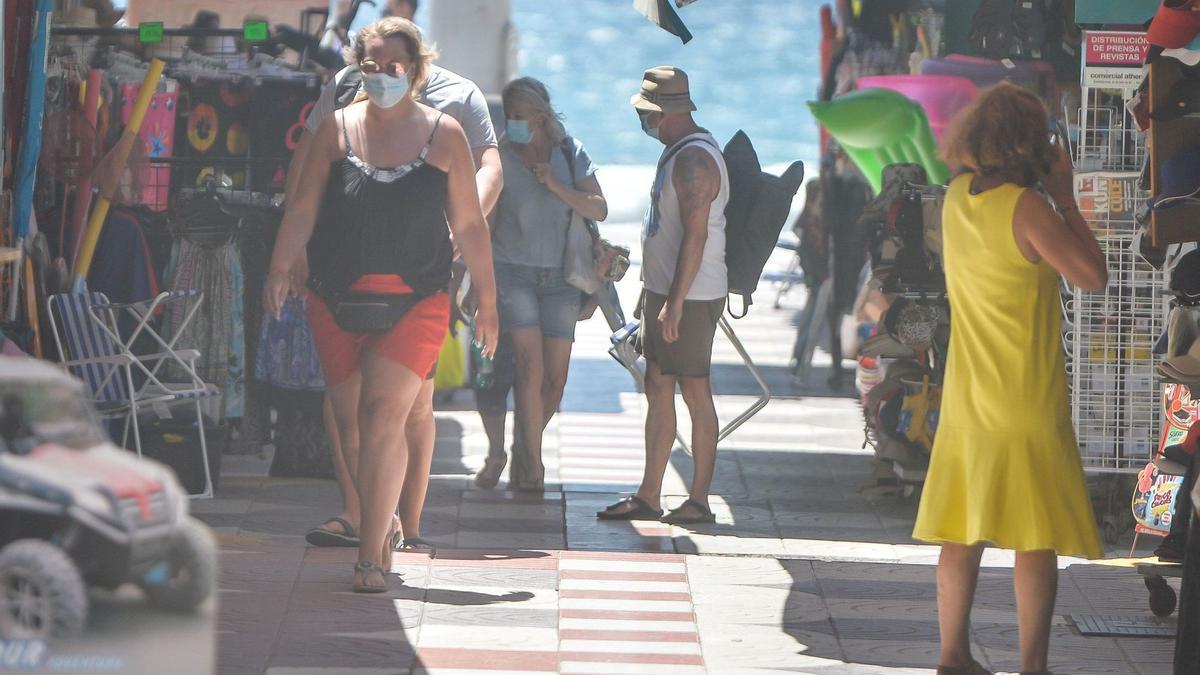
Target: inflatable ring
[
  {"x": 237, "y": 139},
  {"x": 202, "y": 127}
]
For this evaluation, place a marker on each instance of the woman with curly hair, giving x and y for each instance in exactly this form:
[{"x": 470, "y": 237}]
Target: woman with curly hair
[{"x": 1005, "y": 466}]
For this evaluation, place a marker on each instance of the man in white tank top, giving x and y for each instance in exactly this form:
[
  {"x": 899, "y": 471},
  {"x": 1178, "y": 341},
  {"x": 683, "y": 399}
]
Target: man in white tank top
[{"x": 685, "y": 278}]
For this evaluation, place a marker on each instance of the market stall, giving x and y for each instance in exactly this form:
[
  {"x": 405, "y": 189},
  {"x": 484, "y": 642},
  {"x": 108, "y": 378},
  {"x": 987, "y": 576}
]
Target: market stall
[{"x": 153, "y": 187}]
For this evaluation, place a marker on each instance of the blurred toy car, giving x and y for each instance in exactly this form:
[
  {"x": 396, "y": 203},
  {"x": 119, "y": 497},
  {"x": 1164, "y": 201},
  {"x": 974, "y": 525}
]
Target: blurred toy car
[{"x": 77, "y": 511}]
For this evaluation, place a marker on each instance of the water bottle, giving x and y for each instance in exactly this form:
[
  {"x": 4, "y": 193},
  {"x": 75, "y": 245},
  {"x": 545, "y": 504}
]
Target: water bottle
[{"x": 483, "y": 366}]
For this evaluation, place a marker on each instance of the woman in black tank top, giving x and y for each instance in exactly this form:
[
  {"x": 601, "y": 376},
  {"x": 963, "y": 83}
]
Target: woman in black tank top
[{"x": 381, "y": 183}]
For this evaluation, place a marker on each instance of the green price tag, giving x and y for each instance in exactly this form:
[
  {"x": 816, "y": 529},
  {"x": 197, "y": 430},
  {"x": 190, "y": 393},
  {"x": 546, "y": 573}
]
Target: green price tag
[
  {"x": 150, "y": 32},
  {"x": 255, "y": 31}
]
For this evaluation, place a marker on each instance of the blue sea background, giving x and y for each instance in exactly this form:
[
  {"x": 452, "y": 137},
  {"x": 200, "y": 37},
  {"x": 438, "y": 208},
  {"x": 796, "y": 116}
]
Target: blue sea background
[{"x": 752, "y": 65}]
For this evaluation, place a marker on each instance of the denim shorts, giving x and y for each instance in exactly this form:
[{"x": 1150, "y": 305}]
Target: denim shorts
[{"x": 537, "y": 297}]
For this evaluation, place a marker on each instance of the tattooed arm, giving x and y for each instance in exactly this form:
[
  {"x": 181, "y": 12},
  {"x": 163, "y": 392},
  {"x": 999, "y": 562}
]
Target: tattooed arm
[{"x": 697, "y": 180}]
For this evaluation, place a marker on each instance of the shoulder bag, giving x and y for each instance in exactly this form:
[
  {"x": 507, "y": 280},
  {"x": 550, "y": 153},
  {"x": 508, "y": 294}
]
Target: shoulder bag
[{"x": 589, "y": 262}]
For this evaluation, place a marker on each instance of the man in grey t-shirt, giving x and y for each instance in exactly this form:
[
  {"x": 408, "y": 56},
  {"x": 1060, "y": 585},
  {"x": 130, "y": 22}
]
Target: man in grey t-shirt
[{"x": 461, "y": 99}]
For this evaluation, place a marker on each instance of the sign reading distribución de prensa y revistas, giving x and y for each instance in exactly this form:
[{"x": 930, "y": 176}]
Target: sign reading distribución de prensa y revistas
[{"x": 1113, "y": 59}]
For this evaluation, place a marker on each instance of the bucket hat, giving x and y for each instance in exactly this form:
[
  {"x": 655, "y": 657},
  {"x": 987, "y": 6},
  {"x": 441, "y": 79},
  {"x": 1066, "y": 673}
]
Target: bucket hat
[{"x": 665, "y": 90}]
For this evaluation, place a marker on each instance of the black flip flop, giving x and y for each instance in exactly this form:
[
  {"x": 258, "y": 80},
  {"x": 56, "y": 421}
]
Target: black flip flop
[
  {"x": 643, "y": 511},
  {"x": 416, "y": 544},
  {"x": 675, "y": 517},
  {"x": 319, "y": 536}
]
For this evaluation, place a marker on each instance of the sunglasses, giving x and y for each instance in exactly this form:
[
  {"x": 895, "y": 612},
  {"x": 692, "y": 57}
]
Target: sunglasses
[{"x": 370, "y": 67}]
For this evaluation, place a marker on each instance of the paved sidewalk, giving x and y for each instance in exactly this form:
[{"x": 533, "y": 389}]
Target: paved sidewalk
[{"x": 801, "y": 573}]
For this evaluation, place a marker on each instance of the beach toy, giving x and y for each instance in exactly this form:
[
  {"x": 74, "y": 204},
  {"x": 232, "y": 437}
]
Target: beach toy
[
  {"x": 117, "y": 159},
  {"x": 879, "y": 127},
  {"x": 941, "y": 96}
]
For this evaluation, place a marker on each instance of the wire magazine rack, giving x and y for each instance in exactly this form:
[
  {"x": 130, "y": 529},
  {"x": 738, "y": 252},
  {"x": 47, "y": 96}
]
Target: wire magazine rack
[{"x": 1108, "y": 335}]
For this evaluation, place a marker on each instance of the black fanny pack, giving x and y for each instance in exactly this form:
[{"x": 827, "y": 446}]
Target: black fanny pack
[{"x": 357, "y": 312}]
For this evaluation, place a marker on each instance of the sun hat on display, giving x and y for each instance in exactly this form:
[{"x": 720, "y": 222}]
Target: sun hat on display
[
  {"x": 1176, "y": 24},
  {"x": 1188, "y": 57},
  {"x": 1183, "y": 368},
  {"x": 664, "y": 89},
  {"x": 1179, "y": 176}
]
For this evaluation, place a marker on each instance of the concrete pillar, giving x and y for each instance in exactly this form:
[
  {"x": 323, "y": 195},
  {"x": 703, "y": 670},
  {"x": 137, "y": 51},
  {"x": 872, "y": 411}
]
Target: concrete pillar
[{"x": 477, "y": 40}]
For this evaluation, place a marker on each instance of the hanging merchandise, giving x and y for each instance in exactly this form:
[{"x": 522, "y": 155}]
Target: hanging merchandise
[
  {"x": 216, "y": 135},
  {"x": 216, "y": 272},
  {"x": 158, "y": 137},
  {"x": 662, "y": 14},
  {"x": 31, "y": 128},
  {"x": 277, "y": 114},
  {"x": 1036, "y": 76},
  {"x": 112, "y": 169},
  {"x": 941, "y": 96},
  {"x": 70, "y": 237},
  {"x": 1016, "y": 28}
]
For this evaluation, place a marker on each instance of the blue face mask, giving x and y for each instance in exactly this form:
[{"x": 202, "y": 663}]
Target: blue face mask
[
  {"x": 384, "y": 90},
  {"x": 652, "y": 132},
  {"x": 519, "y": 132}
]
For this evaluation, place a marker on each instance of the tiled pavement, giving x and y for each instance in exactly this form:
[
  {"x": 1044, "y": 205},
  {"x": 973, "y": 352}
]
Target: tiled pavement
[{"x": 801, "y": 573}]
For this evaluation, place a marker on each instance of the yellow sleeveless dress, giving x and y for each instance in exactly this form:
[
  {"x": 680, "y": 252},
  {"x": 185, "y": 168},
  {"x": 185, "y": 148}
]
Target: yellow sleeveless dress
[{"x": 1005, "y": 464}]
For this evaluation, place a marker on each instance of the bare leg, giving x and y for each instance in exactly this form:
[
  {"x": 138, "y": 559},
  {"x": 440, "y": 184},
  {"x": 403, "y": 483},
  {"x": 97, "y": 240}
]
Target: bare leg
[
  {"x": 1035, "y": 580},
  {"x": 556, "y": 360},
  {"x": 660, "y": 432},
  {"x": 697, "y": 394},
  {"x": 492, "y": 405},
  {"x": 388, "y": 392},
  {"x": 493, "y": 426},
  {"x": 957, "y": 576},
  {"x": 345, "y": 480},
  {"x": 527, "y": 469},
  {"x": 421, "y": 434}
]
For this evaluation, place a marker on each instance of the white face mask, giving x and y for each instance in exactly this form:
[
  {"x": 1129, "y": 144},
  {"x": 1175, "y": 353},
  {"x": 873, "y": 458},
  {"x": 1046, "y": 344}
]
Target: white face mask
[{"x": 384, "y": 90}]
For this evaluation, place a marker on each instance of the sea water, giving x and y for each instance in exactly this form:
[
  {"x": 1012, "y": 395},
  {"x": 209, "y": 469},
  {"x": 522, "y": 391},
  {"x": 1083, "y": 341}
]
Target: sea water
[{"x": 752, "y": 65}]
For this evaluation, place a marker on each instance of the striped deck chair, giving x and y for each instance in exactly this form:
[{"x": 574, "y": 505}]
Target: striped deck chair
[{"x": 124, "y": 384}]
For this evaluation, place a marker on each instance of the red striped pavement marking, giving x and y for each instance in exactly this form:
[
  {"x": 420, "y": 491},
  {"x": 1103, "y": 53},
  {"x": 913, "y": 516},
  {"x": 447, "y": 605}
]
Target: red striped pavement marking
[
  {"x": 487, "y": 659},
  {"x": 614, "y": 643},
  {"x": 625, "y": 595},
  {"x": 630, "y": 635},
  {"x": 656, "y": 659},
  {"x": 621, "y": 576},
  {"x": 625, "y": 615},
  {"x": 625, "y": 555}
]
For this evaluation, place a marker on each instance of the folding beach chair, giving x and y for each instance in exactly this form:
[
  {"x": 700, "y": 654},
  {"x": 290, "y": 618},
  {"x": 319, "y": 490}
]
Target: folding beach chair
[
  {"x": 623, "y": 352},
  {"x": 124, "y": 384}
]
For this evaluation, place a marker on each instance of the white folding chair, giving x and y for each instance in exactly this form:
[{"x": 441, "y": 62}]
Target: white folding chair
[
  {"x": 623, "y": 351},
  {"x": 87, "y": 336}
]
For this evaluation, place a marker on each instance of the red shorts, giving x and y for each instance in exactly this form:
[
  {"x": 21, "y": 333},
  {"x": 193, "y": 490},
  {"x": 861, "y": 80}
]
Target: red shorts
[{"x": 414, "y": 342}]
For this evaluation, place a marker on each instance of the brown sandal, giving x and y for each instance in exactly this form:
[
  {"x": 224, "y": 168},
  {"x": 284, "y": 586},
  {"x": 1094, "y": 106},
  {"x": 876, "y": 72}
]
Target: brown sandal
[{"x": 361, "y": 571}]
